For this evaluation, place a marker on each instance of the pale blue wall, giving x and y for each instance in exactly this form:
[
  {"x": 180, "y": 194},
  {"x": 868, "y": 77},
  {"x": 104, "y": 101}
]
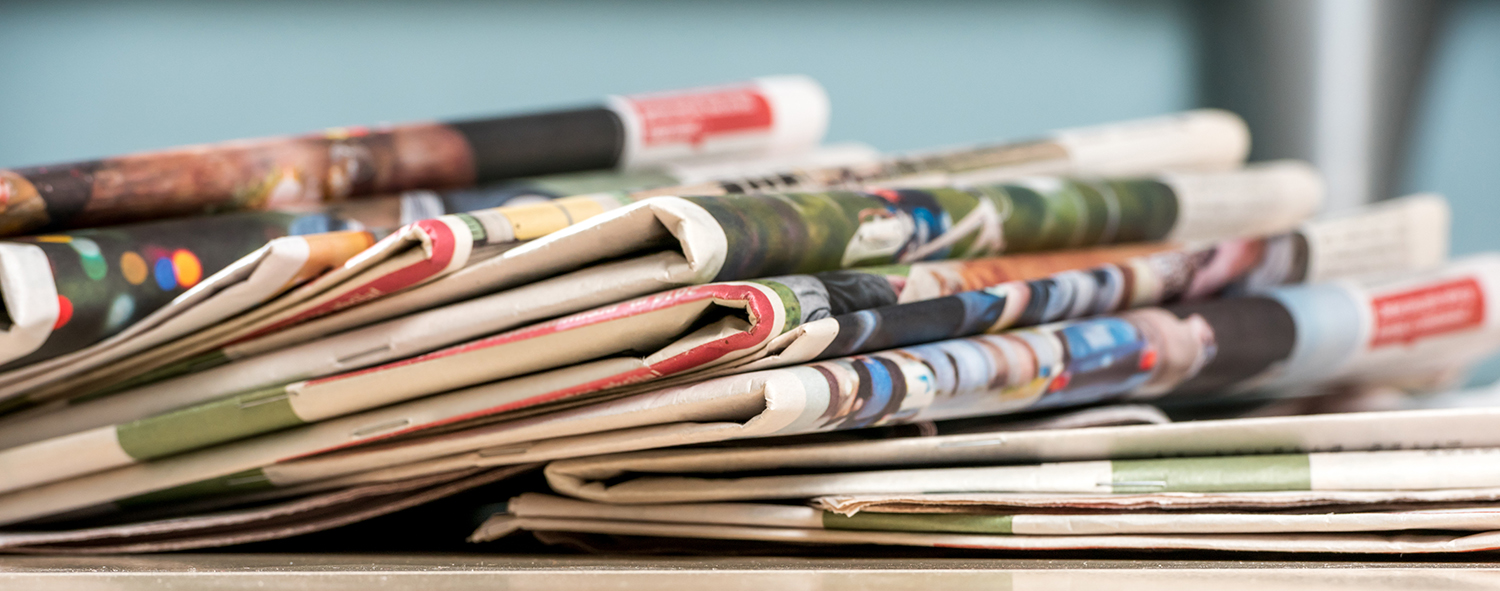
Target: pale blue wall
[
  {"x": 1456, "y": 140},
  {"x": 91, "y": 79}
]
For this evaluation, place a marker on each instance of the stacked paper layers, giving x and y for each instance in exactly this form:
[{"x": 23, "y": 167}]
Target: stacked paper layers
[
  {"x": 697, "y": 272},
  {"x": 1249, "y": 484}
]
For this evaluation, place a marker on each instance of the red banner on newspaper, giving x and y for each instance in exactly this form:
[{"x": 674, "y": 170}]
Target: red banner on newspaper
[
  {"x": 691, "y": 118},
  {"x": 1447, "y": 307}
]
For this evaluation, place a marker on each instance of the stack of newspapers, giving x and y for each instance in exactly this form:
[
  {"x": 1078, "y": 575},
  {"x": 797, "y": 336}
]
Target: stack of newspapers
[{"x": 697, "y": 321}]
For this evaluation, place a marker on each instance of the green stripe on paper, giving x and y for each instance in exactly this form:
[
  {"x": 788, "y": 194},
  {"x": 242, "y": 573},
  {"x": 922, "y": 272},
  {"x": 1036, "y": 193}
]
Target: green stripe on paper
[
  {"x": 197, "y": 427},
  {"x": 239, "y": 482},
  {"x": 958, "y": 204},
  {"x": 789, "y": 301},
  {"x": 1225, "y": 474},
  {"x": 476, "y": 229},
  {"x": 893, "y": 270},
  {"x": 920, "y": 522}
]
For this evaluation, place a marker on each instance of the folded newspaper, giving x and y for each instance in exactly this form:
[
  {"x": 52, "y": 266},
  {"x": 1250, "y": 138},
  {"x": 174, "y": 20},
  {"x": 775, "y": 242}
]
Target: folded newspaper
[
  {"x": 220, "y": 521},
  {"x": 1004, "y": 305},
  {"x": 1197, "y": 140},
  {"x": 270, "y": 272},
  {"x": 105, "y": 302},
  {"x": 1409, "y": 531},
  {"x": 1384, "y": 482},
  {"x": 773, "y": 115},
  {"x": 1151, "y": 352},
  {"x": 770, "y": 322},
  {"x": 666, "y": 242},
  {"x": 1289, "y": 336},
  {"x": 66, "y": 291}
]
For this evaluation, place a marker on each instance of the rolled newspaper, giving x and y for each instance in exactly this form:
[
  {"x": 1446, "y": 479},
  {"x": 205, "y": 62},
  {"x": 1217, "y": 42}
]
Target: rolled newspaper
[{"x": 764, "y": 116}]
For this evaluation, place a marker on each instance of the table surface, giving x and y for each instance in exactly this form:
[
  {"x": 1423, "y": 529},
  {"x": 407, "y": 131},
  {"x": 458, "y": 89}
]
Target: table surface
[{"x": 441, "y": 572}]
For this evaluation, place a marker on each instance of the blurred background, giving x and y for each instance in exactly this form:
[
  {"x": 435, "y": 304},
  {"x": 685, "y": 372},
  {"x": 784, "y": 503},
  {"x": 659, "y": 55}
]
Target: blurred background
[{"x": 1388, "y": 97}]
